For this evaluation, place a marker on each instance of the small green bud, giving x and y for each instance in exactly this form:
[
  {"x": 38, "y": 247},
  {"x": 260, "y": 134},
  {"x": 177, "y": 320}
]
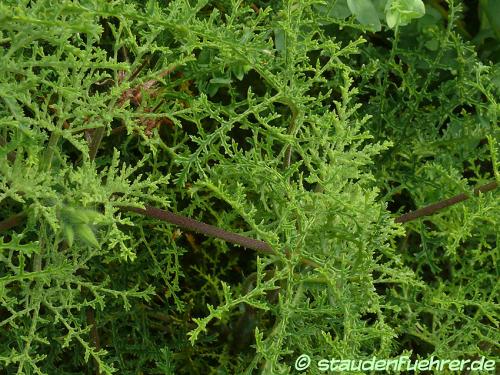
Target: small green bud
[
  {"x": 93, "y": 216},
  {"x": 74, "y": 216},
  {"x": 86, "y": 234},
  {"x": 69, "y": 234}
]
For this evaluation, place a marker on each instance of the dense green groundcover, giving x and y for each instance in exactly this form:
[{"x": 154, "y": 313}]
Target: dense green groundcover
[{"x": 310, "y": 125}]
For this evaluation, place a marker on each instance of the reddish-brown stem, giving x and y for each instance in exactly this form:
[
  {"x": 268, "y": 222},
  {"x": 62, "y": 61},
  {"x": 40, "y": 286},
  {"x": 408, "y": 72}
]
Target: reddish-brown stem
[
  {"x": 203, "y": 228},
  {"x": 11, "y": 156},
  {"x": 261, "y": 246},
  {"x": 139, "y": 68},
  {"x": 12, "y": 221},
  {"x": 435, "y": 207},
  {"x": 94, "y": 334}
]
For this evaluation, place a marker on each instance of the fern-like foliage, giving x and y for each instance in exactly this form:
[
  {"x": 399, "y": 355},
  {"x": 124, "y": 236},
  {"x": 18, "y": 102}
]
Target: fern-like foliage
[{"x": 299, "y": 123}]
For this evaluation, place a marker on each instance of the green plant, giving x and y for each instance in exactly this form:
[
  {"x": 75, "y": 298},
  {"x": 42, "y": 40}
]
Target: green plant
[{"x": 305, "y": 127}]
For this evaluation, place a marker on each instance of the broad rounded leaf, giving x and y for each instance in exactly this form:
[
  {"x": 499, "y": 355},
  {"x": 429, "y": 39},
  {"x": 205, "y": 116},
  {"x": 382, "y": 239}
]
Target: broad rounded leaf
[
  {"x": 492, "y": 10},
  {"x": 365, "y": 13},
  {"x": 334, "y": 9},
  {"x": 402, "y": 12}
]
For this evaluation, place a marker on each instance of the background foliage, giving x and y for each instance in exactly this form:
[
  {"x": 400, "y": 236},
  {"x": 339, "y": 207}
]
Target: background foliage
[{"x": 307, "y": 124}]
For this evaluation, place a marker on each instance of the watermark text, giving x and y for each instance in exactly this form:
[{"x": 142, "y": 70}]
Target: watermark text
[{"x": 402, "y": 363}]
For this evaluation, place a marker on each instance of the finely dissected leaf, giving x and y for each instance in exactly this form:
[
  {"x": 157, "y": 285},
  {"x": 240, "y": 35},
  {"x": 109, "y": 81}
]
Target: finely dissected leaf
[
  {"x": 15, "y": 244},
  {"x": 365, "y": 13},
  {"x": 283, "y": 123}
]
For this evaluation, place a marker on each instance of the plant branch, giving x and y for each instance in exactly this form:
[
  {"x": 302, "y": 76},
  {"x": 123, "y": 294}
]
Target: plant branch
[
  {"x": 12, "y": 221},
  {"x": 203, "y": 228},
  {"x": 260, "y": 246},
  {"x": 435, "y": 207},
  {"x": 94, "y": 334},
  {"x": 292, "y": 128}
]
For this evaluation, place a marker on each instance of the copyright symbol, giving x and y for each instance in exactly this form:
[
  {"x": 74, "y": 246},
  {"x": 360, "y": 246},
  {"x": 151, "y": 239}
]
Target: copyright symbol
[{"x": 302, "y": 362}]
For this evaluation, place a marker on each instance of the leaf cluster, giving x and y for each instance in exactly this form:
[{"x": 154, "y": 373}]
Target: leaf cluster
[{"x": 306, "y": 124}]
